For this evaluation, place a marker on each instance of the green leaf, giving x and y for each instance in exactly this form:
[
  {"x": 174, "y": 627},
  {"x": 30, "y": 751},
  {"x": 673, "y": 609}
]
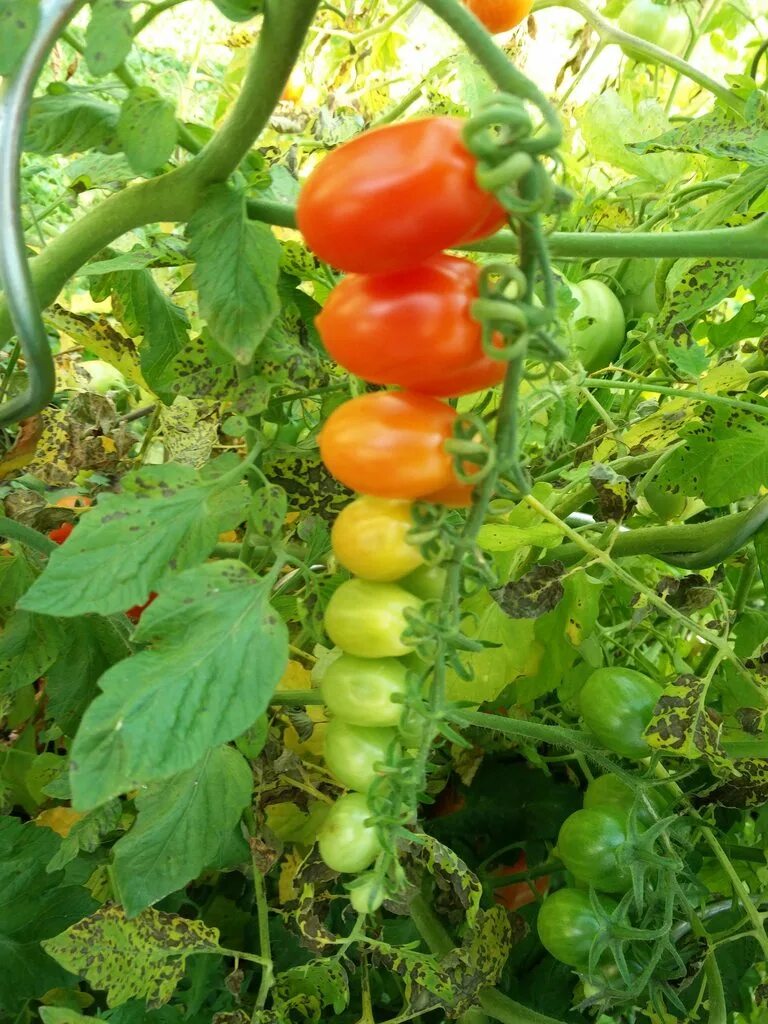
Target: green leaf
[
  {"x": 62, "y": 1015},
  {"x": 147, "y": 130},
  {"x": 65, "y": 121},
  {"x": 164, "y": 520},
  {"x": 180, "y": 828},
  {"x": 144, "y": 958},
  {"x": 217, "y": 653},
  {"x": 238, "y": 265},
  {"x": 724, "y": 458},
  {"x": 17, "y": 28},
  {"x": 86, "y": 834},
  {"x": 33, "y": 906},
  {"x": 28, "y": 645},
  {"x": 109, "y": 36}
]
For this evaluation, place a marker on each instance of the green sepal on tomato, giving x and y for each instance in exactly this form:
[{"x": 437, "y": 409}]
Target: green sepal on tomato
[
  {"x": 362, "y": 691},
  {"x": 345, "y": 842},
  {"x": 617, "y": 706},
  {"x": 368, "y": 619},
  {"x": 592, "y": 845},
  {"x": 395, "y": 196},
  {"x": 352, "y": 752},
  {"x": 412, "y": 328},
  {"x": 569, "y": 925}
]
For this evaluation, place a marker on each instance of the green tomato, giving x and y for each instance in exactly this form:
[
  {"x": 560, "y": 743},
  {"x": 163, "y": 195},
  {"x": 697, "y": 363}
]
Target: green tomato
[
  {"x": 590, "y": 844},
  {"x": 426, "y": 582},
  {"x": 617, "y": 705},
  {"x": 361, "y": 691},
  {"x": 367, "y": 893},
  {"x": 102, "y": 376},
  {"x": 636, "y": 304},
  {"x": 568, "y": 925},
  {"x": 352, "y": 752},
  {"x": 608, "y": 792},
  {"x": 345, "y": 842},
  {"x": 664, "y": 26},
  {"x": 597, "y": 327},
  {"x": 368, "y": 619},
  {"x": 240, "y": 10}
]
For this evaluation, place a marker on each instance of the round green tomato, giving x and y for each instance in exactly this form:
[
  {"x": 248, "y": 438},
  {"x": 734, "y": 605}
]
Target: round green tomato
[
  {"x": 102, "y": 376},
  {"x": 590, "y": 843},
  {"x": 635, "y": 304},
  {"x": 608, "y": 792},
  {"x": 426, "y": 582},
  {"x": 367, "y": 893},
  {"x": 352, "y": 752},
  {"x": 664, "y": 26},
  {"x": 568, "y": 925},
  {"x": 345, "y": 842},
  {"x": 361, "y": 691},
  {"x": 617, "y": 705},
  {"x": 368, "y": 619},
  {"x": 664, "y": 504},
  {"x": 240, "y": 10},
  {"x": 596, "y": 327}
]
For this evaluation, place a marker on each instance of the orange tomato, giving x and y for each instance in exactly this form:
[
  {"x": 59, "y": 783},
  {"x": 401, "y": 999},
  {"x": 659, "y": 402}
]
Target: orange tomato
[
  {"x": 74, "y": 501},
  {"x": 500, "y": 15},
  {"x": 519, "y": 894}
]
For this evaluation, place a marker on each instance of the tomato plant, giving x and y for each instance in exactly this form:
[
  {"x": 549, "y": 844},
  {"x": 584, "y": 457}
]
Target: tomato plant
[
  {"x": 617, "y": 704},
  {"x": 421, "y": 166},
  {"x": 569, "y": 925},
  {"x": 368, "y": 619},
  {"x": 370, "y": 538},
  {"x": 390, "y": 444},
  {"x": 365, "y": 691},
  {"x": 346, "y": 842},
  {"x": 500, "y": 15},
  {"x": 413, "y": 328}
]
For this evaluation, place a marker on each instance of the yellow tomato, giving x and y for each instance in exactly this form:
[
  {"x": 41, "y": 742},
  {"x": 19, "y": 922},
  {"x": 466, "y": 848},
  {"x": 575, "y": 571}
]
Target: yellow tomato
[{"x": 369, "y": 538}]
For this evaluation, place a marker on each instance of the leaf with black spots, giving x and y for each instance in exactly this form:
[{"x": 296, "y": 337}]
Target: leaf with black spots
[
  {"x": 534, "y": 594},
  {"x": 614, "y": 498}
]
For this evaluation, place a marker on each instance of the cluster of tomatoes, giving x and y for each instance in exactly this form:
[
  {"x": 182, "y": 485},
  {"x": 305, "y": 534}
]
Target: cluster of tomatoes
[
  {"x": 382, "y": 208},
  {"x": 595, "y": 843}
]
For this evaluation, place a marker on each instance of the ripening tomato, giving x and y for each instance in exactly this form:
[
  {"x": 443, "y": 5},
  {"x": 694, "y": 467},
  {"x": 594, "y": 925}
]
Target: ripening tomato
[
  {"x": 61, "y": 533},
  {"x": 352, "y": 752},
  {"x": 596, "y": 327},
  {"x": 455, "y": 495},
  {"x": 665, "y": 25},
  {"x": 367, "y": 619},
  {"x": 345, "y": 842},
  {"x": 395, "y": 196},
  {"x": 367, "y": 893},
  {"x": 591, "y": 844},
  {"x": 568, "y": 925},
  {"x": 135, "y": 613},
  {"x": 500, "y": 15},
  {"x": 412, "y": 328},
  {"x": 390, "y": 444},
  {"x": 370, "y": 538},
  {"x": 74, "y": 501},
  {"x": 617, "y": 705},
  {"x": 519, "y": 894},
  {"x": 361, "y": 690}
]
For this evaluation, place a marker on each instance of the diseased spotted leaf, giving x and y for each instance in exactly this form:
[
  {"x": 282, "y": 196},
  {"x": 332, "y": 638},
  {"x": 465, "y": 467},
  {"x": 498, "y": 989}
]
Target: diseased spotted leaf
[
  {"x": 147, "y": 130},
  {"x": 28, "y": 645},
  {"x": 684, "y": 726},
  {"x": 18, "y": 23},
  {"x": 747, "y": 789},
  {"x": 109, "y": 35},
  {"x": 144, "y": 958},
  {"x": 66, "y": 121},
  {"x": 614, "y": 499},
  {"x": 534, "y": 594},
  {"x": 268, "y": 510}
]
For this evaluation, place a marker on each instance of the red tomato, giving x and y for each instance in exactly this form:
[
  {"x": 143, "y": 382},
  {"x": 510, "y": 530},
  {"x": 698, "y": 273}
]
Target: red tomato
[
  {"x": 390, "y": 444},
  {"x": 519, "y": 894},
  {"x": 60, "y": 534},
  {"x": 500, "y": 15},
  {"x": 395, "y": 196},
  {"x": 135, "y": 613},
  {"x": 412, "y": 328}
]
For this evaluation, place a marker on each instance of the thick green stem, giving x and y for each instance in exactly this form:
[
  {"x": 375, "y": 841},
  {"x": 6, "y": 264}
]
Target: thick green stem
[{"x": 26, "y": 535}]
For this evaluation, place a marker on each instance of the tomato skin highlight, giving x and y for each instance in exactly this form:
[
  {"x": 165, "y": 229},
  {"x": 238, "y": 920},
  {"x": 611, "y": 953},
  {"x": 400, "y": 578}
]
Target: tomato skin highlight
[
  {"x": 568, "y": 925},
  {"x": 393, "y": 197},
  {"x": 345, "y": 842},
  {"x": 367, "y": 619},
  {"x": 412, "y": 329},
  {"x": 617, "y": 705},
  {"x": 390, "y": 444},
  {"x": 518, "y": 894},
  {"x": 500, "y": 15},
  {"x": 353, "y": 751},
  {"x": 589, "y": 844},
  {"x": 61, "y": 533},
  {"x": 369, "y": 537},
  {"x": 360, "y": 690}
]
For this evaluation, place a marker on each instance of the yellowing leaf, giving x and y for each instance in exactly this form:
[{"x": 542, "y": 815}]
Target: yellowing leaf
[{"x": 60, "y": 819}]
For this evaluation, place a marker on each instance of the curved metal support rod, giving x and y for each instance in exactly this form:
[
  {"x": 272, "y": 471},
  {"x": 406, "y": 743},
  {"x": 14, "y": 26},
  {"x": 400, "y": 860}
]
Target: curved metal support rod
[{"x": 15, "y": 275}]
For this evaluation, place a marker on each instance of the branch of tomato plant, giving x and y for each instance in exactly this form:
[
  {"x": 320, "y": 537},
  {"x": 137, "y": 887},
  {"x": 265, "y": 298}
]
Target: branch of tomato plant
[
  {"x": 636, "y": 586},
  {"x": 265, "y": 947},
  {"x": 176, "y": 195},
  {"x": 153, "y": 12},
  {"x": 701, "y": 21},
  {"x": 26, "y": 535},
  {"x": 610, "y": 33},
  {"x": 659, "y": 389}
]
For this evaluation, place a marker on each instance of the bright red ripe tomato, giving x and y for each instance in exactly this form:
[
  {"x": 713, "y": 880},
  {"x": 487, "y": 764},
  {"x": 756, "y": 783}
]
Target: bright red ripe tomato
[
  {"x": 411, "y": 328},
  {"x": 395, "y": 196},
  {"x": 135, "y": 613},
  {"x": 500, "y": 15},
  {"x": 61, "y": 533},
  {"x": 519, "y": 894},
  {"x": 390, "y": 444}
]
